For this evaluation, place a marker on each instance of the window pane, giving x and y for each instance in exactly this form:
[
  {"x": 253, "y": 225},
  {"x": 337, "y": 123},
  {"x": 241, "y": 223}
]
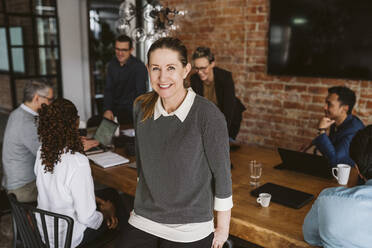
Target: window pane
[
  {"x": 4, "y": 62},
  {"x": 22, "y": 25},
  {"x": 45, "y": 7},
  {"x": 47, "y": 31},
  {"x": 48, "y": 61},
  {"x": 16, "y": 37},
  {"x": 18, "y": 60},
  {"x": 18, "y": 6},
  {"x": 6, "y": 96}
]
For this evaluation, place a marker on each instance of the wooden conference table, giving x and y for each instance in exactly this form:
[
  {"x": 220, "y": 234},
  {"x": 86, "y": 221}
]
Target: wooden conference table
[{"x": 275, "y": 226}]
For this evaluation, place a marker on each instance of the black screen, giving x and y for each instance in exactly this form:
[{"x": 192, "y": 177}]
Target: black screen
[{"x": 321, "y": 38}]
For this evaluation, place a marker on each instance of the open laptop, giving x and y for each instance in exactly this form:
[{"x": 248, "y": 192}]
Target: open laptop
[
  {"x": 103, "y": 135},
  {"x": 305, "y": 163}
]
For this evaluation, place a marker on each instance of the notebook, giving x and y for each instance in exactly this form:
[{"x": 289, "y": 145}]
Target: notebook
[
  {"x": 284, "y": 195},
  {"x": 310, "y": 164},
  {"x": 108, "y": 159}
]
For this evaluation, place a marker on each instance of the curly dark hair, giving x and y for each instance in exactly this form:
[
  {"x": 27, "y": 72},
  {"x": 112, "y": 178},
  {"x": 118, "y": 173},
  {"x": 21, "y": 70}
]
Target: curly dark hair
[{"x": 58, "y": 132}]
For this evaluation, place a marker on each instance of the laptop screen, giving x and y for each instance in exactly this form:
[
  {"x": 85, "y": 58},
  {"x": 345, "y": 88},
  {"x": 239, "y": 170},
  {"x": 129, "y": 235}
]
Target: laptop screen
[
  {"x": 105, "y": 131},
  {"x": 306, "y": 163}
]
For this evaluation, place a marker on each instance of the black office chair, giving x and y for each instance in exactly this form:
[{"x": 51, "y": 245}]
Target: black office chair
[
  {"x": 4, "y": 203},
  {"x": 4, "y": 210},
  {"x": 24, "y": 217},
  {"x": 25, "y": 225}
]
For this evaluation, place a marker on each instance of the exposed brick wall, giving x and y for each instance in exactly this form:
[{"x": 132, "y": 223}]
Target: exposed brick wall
[{"x": 281, "y": 111}]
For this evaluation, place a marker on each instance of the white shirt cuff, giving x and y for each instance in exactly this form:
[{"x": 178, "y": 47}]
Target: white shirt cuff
[
  {"x": 96, "y": 220},
  {"x": 223, "y": 204}
]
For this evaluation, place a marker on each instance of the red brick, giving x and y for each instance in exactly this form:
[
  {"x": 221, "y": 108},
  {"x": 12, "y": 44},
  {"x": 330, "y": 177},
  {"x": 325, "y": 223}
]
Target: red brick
[
  {"x": 236, "y": 31},
  {"x": 318, "y": 90},
  {"x": 274, "y": 86},
  {"x": 295, "y": 88}
]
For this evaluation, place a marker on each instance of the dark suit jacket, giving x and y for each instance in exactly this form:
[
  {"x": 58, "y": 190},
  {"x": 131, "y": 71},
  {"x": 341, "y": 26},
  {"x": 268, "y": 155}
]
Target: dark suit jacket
[
  {"x": 229, "y": 105},
  {"x": 336, "y": 146}
]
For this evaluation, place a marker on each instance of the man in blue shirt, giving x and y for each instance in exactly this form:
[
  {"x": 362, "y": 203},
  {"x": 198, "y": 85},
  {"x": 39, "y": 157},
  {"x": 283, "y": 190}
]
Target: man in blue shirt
[
  {"x": 342, "y": 126},
  {"x": 126, "y": 80},
  {"x": 341, "y": 217}
]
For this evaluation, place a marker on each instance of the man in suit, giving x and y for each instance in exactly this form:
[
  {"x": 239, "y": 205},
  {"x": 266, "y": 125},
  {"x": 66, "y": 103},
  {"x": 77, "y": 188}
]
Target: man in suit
[
  {"x": 217, "y": 85},
  {"x": 340, "y": 124}
]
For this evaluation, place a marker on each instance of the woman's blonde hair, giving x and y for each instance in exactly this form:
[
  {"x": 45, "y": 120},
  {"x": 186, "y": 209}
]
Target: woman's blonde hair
[{"x": 148, "y": 100}]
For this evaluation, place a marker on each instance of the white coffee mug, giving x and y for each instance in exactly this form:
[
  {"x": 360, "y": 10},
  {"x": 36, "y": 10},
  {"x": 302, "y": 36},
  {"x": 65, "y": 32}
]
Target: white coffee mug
[
  {"x": 264, "y": 199},
  {"x": 343, "y": 171}
]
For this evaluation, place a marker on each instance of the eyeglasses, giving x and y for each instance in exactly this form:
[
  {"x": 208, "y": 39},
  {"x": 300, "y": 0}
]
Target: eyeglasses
[
  {"x": 48, "y": 98},
  {"x": 202, "y": 69},
  {"x": 122, "y": 49}
]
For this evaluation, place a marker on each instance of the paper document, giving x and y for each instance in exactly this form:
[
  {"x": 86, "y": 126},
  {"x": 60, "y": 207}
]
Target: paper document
[
  {"x": 108, "y": 159},
  {"x": 128, "y": 132}
]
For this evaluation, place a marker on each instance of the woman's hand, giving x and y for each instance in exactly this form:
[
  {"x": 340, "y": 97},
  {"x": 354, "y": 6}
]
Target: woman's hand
[
  {"x": 108, "y": 115},
  {"x": 221, "y": 232},
  {"x": 220, "y": 237},
  {"x": 89, "y": 143},
  {"x": 108, "y": 211}
]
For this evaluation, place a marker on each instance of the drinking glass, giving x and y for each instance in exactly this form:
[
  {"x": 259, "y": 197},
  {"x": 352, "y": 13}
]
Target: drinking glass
[{"x": 256, "y": 171}]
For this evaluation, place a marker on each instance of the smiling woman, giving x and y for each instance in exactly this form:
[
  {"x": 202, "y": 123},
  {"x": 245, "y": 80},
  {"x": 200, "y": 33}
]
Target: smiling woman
[
  {"x": 217, "y": 85},
  {"x": 182, "y": 147},
  {"x": 167, "y": 75}
]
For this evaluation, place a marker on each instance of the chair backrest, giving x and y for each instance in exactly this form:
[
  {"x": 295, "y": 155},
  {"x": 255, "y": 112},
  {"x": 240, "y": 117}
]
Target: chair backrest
[
  {"x": 25, "y": 219},
  {"x": 4, "y": 203}
]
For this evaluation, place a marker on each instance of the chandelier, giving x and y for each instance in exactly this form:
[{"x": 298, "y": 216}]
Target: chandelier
[{"x": 159, "y": 20}]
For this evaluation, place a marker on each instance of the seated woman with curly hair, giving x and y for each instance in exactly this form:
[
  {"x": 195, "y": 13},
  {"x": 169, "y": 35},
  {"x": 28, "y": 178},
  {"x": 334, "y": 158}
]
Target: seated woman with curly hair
[{"x": 63, "y": 175}]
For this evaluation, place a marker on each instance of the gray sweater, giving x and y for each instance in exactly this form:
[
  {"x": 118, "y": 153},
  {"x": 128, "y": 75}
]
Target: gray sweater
[
  {"x": 182, "y": 166},
  {"x": 19, "y": 149}
]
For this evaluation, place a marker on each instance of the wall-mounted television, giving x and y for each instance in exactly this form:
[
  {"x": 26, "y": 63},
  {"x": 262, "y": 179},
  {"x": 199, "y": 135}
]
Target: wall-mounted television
[{"x": 321, "y": 38}]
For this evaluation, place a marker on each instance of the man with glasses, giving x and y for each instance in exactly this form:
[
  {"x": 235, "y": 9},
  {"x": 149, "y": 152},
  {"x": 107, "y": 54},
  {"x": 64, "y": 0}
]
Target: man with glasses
[
  {"x": 217, "y": 85},
  {"x": 21, "y": 142},
  {"x": 125, "y": 80}
]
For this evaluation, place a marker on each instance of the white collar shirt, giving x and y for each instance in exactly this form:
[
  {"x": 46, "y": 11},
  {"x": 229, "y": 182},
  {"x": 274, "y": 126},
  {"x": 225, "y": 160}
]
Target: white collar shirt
[
  {"x": 28, "y": 109},
  {"x": 181, "y": 112}
]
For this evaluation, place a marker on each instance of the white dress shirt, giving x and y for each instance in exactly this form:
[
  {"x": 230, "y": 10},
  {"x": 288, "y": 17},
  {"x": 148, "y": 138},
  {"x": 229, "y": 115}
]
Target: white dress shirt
[{"x": 69, "y": 190}]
